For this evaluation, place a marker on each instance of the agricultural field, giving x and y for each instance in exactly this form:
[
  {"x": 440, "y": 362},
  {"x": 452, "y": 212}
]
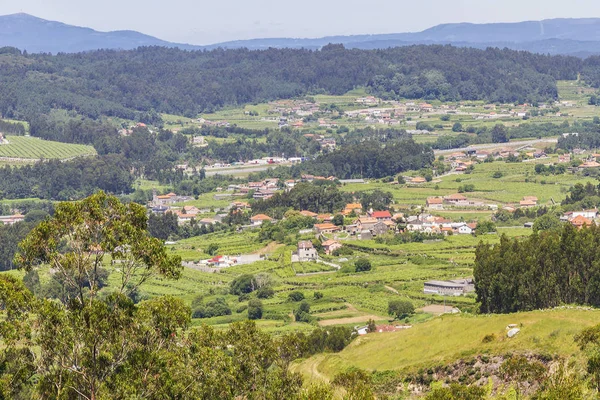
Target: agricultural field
[{"x": 32, "y": 149}]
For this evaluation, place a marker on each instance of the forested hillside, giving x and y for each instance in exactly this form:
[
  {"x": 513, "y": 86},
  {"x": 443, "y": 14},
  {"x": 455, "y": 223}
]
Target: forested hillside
[{"x": 132, "y": 84}]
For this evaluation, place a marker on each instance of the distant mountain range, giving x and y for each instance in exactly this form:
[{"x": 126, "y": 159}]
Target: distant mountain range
[{"x": 579, "y": 37}]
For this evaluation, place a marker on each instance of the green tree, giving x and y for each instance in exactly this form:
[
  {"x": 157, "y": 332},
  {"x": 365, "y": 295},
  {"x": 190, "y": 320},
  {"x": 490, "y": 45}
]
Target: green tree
[
  {"x": 255, "y": 309},
  {"x": 296, "y": 296},
  {"x": 212, "y": 249},
  {"x": 400, "y": 309},
  {"x": 499, "y": 134},
  {"x": 457, "y": 127},
  {"x": 243, "y": 284},
  {"x": 362, "y": 265},
  {"x": 546, "y": 222}
]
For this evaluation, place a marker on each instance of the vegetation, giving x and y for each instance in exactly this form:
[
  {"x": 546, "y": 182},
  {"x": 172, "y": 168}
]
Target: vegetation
[
  {"x": 554, "y": 267},
  {"x": 177, "y": 82}
]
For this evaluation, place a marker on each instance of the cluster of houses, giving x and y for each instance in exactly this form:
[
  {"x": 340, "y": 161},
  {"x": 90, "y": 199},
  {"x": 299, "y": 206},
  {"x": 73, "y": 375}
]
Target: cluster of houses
[
  {"x": 454, "y": 200},
  {"x": 11, "y": 219},
  {"x": 580, "y": 219},
  {"x": 430, "y": 224}
]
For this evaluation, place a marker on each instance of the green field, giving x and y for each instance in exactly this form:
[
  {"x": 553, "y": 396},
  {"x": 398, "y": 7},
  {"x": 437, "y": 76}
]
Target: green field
[
  {"x": 30, "y": 148},
  {"x": 449, "y": 338}
]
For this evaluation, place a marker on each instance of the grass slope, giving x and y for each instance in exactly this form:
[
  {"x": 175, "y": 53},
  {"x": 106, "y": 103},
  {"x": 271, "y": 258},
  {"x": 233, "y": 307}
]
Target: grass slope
[{"x": 452, "y": 337}]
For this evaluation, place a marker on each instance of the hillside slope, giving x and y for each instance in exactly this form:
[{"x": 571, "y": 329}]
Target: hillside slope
[{"x": 453, "y": 337}]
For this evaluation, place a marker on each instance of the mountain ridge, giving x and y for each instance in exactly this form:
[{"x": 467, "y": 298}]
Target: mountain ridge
[{"x": 569, "y": 36}]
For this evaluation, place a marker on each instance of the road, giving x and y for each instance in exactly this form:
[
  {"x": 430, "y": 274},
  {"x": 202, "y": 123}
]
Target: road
[
  {"x": 241, "y": 169},
  {"x": 496, "y": 145}
]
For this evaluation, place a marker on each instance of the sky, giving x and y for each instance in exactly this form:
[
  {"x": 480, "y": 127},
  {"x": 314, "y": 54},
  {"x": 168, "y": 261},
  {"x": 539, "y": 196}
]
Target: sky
[{"x": 201, "y": 22}]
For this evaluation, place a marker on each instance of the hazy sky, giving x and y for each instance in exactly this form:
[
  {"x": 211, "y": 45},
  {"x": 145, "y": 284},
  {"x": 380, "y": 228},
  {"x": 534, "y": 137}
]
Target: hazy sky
[{"x": 202, "y": 22}]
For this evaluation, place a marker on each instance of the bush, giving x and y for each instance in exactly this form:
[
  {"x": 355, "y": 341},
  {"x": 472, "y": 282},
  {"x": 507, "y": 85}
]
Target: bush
[
  {"x": 213, "y": 308},
  {"x": 255, "y": 309},
  {"x": 242, "y": 284},
  {"x": 265, "y": 292},
  {"x": 400, "y": 309},
  {"x": 497, "y": 174},
  {"x": 302, "y": 313},
  {"x": 296, "y": 296},
  {"x": 362, "y": 264},
  {"x": 488, "y": 338},
  {"x": 318, "y": 295}
]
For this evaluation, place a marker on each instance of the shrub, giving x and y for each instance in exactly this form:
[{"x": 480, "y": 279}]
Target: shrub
[
  {"x": 488, "y": 338},
  {"x": 318, "y": 295},
  {"x": 242, "y": 284},
  {"x": 213, "y": 308},
  {"x": 265, "y": 292},
  {"x": 296, "y": 296},
  {"x": 255, "y": 309},
  {"x": 362, "y": 264},
  {"x": 302, "y": 313},
  {"x": 400, "y": 308}
]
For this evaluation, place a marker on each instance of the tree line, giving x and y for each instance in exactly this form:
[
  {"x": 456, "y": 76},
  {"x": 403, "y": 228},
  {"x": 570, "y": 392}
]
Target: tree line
[
  {"x": 137, "y": 84},
  {"x": 547, "y": 269}
]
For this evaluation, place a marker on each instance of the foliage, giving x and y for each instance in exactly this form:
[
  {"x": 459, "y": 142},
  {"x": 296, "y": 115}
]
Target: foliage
[
  {"x": 484, "y": 226},
  {"x": 212, "y": 308},
  {"x": 302, "y": 313},
  {"x": 69, "y": 180},
  {"x": 457, "y": 392},
  {"x": 400, "y": 309},
  {"x": 296, "y": 296},
  {"x": 362, "y": 265},
  {"x": 255, "y": 309},
  {"x": 554, "y": 267},
  {"x": 157, "y": 79}
]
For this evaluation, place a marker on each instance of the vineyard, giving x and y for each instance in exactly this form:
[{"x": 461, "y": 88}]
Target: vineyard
[{"x": 29, "y": 148}]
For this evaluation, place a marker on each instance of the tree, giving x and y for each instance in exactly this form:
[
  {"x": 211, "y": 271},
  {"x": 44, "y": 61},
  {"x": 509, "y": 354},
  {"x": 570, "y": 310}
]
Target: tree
[
  {"x": 362, "y": 265},
  {"x": 546, "y": 222},
  {"x": 242, "y": 284},
  {"x": 484, "y": 226},
  {"x": 371, "y": 327},
  {"x": 255, "y": 309},
  {"x": 338, "y": 220},
  {"x": 212, "y": 249},
  {"x": 84, "y": 342},
  {"x": 400, "y": 309},
  {"x": 302, "y": 313},
  {"x": 499, "y": 134},
  {"x": 94, "y": 228},
  {"x": 296, "y": 296},
  {"x": 457, "y": 127},
  {"x": 457, "y": 392}
]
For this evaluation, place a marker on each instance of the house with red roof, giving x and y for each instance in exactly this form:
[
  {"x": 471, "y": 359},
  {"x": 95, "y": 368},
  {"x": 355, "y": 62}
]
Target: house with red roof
[{"x": 381, "y": 215}]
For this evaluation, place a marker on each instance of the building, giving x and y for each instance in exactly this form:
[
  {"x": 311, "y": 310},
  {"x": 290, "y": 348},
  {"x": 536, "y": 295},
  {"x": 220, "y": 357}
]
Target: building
[
  {"x": 352, "y": 207},
  {"x": 381, "y": 215},
  {"x": 329, "y": 246},
  {"x": 365, "y": 223},
  {"x": 306, "y": 251},
  {"x": 258, "y": 220},
  {"x": 456, "y": 287},
  {"x": 380, "y": 228},
  {"x": 327, "y": 228},
  {"x": 579, "y": 222},
  {"x": 589, "y": 214},
  {"x": 435, "y": 203},
  {"x": 453, "y": 199},
  {"x": 11, "y": 219}
]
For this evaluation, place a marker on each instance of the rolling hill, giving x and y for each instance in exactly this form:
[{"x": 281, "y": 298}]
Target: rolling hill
[
  {"x": 37, "y": 35},
  {"x": 579, "y": 37}
]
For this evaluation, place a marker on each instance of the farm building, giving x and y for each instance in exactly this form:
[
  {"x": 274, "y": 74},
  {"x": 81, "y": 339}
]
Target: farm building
[{"x": 449, "y": 288}]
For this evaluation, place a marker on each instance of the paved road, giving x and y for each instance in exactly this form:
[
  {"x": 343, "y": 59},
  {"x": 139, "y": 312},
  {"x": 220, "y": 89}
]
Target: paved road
[{"x": 496, "y": 145}]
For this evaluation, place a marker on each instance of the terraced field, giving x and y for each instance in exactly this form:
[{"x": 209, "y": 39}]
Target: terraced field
[{"x": 30, "y": 148}]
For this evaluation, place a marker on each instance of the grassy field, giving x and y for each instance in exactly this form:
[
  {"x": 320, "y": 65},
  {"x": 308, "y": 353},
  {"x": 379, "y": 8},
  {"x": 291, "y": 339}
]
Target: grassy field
[
  {"x": 448, "y": 338},
  {"x": 34, "y": 149}
]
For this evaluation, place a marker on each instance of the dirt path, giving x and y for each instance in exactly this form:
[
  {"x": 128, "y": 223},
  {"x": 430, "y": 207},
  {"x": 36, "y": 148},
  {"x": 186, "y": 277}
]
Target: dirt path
[
  {"x": 351, "y": 320},
  {"x": 268, "y": 249}
]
